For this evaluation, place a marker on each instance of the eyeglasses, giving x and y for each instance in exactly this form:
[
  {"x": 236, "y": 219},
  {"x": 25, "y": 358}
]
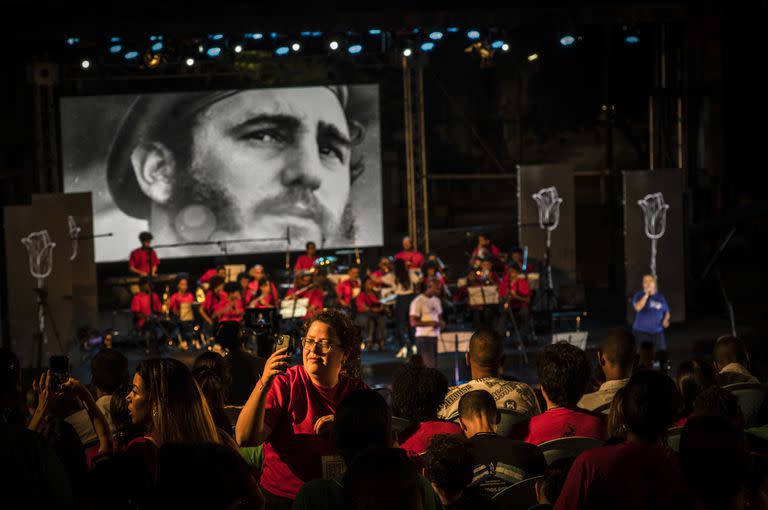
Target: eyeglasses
[{"x": 310, "y": 343}]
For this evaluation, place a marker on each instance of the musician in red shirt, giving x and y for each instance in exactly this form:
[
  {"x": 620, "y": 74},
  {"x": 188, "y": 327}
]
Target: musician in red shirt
[
  {"x": 185, "y": 327},
  {"x": 257, "y": 273},
  {"x": 139, "y": 261},
  {"x": 346, "y": 290},
  {"x": 264, "y": 298},
  {"x": 231, "y": 307},
  {"x": 307, "y": 261},
  {"x": 144, "y": 313},
  {"x": 370, "y": 315},
  {"x": 515, "y": 296},
  {"x": 413, "y": 258},
  {"x": 214, "y": 295},
  {"x": 303, "y": 287},
  {"x": 218, "y": 270},
  {"x": 485, "y": 248},
  {"x": 246, "y": 294}
]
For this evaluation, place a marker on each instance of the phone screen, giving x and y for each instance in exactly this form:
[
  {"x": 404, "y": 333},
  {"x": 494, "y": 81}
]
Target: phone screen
[{"x": 59, "y": 371}]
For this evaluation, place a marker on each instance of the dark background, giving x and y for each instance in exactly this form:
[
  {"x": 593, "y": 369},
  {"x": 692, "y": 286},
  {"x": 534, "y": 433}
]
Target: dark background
[{"x": 586, "y": 106}]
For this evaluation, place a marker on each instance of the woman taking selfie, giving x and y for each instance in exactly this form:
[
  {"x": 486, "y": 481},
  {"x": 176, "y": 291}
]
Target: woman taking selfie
[{"x": 291, "y": 409}]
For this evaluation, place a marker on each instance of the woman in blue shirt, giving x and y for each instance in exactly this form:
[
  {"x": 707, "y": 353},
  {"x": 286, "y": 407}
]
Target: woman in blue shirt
[{"x": 652, "y": 316}]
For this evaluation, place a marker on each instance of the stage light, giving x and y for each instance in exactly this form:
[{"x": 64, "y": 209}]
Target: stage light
[
  {"x": 305, "y": 33},
  {"x": 85, "y": 64},
  {"x": 190, "y": 62},
  {"x": 282, "y": 50},
  {"x": 427, "y": 46},
  {"x": 295, "y": 46},
  {"x": 317, "y": 34},
  {"x": 213, "y": 51},
  {"x": 452, "y": 30},
  {"x": 158, "y": 46},
  {"x": 200, "y": 48},
  {"x": 375, "y": 31},
  {"x": 533, "y": 56},
  {"x": 115, "y": 49},
  {"x": 72, "y": 41},
  {"x": 497, "y": 44},
  {"x": 238, "y": 48},
  {"x": 505, "y": 47},
  {"x": 153, "y": 60},
  {"x": 333, "y": 45},
  {"x": 114, "y": 39},
  {"x": 407, "y": 52},
  {"x": 131, "y": 55},
  {"x": 255, "y": 36},
  {"x": 567, "y": 40},
  {"x": 631, "y": 39},
  {"x": 436, "y": 35},
  {"x": 355, "y": 49},
  {"x": 473, "y": 34},
  {"x": 216, "y": 37}
]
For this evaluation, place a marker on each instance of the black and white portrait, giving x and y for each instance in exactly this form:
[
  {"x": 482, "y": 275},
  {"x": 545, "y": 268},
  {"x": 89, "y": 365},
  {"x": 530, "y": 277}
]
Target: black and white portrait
[{"x": 228, "y": 166}]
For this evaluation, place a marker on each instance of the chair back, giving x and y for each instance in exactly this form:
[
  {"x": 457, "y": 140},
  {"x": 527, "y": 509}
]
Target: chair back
[
  {"x": 673, "y": 438},
  {"x": 565, "y": 447},
  {"x": 233, "y": 412},
  {"x": 753, "y": 399},
  {"x": 520, "y": 496},
  {"x": 508, "y": 424}
]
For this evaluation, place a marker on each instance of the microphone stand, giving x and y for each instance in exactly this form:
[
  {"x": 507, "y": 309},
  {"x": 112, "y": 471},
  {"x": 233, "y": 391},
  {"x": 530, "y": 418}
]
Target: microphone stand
[{"x": 713, "y": 264}]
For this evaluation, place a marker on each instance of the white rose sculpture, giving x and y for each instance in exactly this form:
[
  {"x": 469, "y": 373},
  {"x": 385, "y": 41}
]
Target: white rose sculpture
[
  {"x": 549, "y": 218},
  {"x": 655, "y": 212}
]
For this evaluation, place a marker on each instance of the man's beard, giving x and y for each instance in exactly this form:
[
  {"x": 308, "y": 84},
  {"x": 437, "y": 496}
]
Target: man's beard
[{"x": 219, "y": 204}]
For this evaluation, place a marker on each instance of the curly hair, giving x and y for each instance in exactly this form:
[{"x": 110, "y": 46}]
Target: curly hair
[
  {"x": 346, "y": 333},
  {"x": 417, "y": 391},
  {"x": 449, "y": 463},
  {"x": 563, "y": 373}
]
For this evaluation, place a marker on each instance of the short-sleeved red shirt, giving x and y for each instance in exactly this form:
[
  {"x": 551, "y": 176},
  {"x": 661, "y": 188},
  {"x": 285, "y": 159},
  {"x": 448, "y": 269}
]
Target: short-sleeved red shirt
[
  {"x": 413, "y": 259},
  {"x": 416, "y": 440},
  {"x": 368, "y": 299},
  {"x": 345, "y": 290},
  {"x": 231, "y": 315},
  {"x": 521, "y": 287},
  {"x": 208, "y": 275},
  {"x": 304, "y": 263},
  {"x": 139, "y": 260},
  {"x": 315, "y": 297},
  {"x": 293, "y": 453},
  {"x": 211, "y": 301},
  {"x": 565, "y": 422},
  {"x": 140, "y": 305},
  {"x": 177, "y": 298}
]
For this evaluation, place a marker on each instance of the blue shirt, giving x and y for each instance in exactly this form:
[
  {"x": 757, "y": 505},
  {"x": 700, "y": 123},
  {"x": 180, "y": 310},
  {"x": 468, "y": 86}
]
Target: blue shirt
[{"x": 648, "y": 320}]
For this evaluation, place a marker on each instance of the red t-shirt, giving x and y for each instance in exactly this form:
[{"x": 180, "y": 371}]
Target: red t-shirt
[
  {"x": 268, "y": 301},
  {"x": 293, "y": 453},
  {"x": 368, "y": 299},
  {"x": 315, "y": 297},
  {"x": 208, "y": 275},
  {"x": 140, "y": 305},
  {"x": 491, "y": 250},
  {"x": 303, "y": 263},
  {"x": 139, "y": 260},
  {"x": 211, "y": 300},
  {"x": 178, "y": 298},
  {"x": 415, "y": 440},
  {"x": 230, "y": 315},
  {"x": 413, "y": 259},
  {"x": 521, "y": 287},
  {"x": 628, "y": 476},
  {"x": 345, "y": 290},
  {"x": 565, "y": 422}
]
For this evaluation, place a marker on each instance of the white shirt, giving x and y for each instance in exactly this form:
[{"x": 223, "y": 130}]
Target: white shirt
[
  {"x": 603, "y": 395},
  {"x": 426, "y": 309},
  {"x": 415, "y": 277}
]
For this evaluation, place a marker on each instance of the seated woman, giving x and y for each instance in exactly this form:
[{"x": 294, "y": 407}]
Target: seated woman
[
  {"x": 167, "y": 403},
  {"x": 370, "y": 316},
  {"x": 263, "y": 298},
  {"x": 417, "y": 392},
  {"x": 693, "y": 377},
  {"x": 291, "y": 410}
]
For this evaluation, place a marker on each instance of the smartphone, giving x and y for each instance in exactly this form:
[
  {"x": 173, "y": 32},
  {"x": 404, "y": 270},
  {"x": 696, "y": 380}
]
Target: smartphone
[
  {"x": 282, "y": 342},
  {"x": 59, "y": 372}
]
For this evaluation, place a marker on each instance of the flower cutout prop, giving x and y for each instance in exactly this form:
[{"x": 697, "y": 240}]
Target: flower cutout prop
[
  {"x": 548, "y": 202},
  {"x": 655, "y": 215},
  {"x": 40, "y": 251},
  {"x": 74, "y": 231}
]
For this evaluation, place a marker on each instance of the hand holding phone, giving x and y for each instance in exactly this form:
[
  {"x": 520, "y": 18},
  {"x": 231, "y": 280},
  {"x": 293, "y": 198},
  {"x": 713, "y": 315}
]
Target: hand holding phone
[{"x": 59, "y": 372}]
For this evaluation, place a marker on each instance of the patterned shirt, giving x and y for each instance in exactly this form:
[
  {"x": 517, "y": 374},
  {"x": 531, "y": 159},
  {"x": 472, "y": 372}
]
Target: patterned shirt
[{"x": 511, "y": 395}]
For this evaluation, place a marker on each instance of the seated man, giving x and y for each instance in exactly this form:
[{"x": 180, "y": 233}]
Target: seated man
[
  {"x": 486, "y": 363},
  {"x": 732, "y": 361},
  {"x": 449, "y": 465},
  {"x": 563, "y": 373},
  {"x": 641, "y": 472},
  {"x": 617, "y": 358},
  {"x": 499, "y": 461}
]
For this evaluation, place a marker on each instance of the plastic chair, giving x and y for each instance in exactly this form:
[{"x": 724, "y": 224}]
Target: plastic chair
[
  {"x": 673, "y": 438},
  {"x": 520, "y": 496},
  {"x": 567, "y": 447},
  {"x": 233, "y": 412},
  {"x": 509, "y": 422},
  {"x": 753, "y": 399}
]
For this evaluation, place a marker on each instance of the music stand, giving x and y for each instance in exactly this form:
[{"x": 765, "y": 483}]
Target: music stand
[
  {"x": 455, "y": 342},
  {"x": 577, "y": 338},
  {"x": 483, "y": 295},
  {"x": 294, "y": 308}
]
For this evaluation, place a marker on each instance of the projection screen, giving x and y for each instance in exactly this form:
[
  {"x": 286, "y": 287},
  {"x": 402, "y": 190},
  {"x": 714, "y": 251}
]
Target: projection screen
[{"x": 234, "y": 170}]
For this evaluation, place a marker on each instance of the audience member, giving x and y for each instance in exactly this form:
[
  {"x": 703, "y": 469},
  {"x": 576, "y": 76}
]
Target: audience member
[
  {"x": 642, "y": 472},
  {"x": 485, "y": 359},
  {"x": 125, "y": 430},
  {"x": 693, "y": 377},
  {"x": 109, "y": 370},
  {"x": 417, "y": 392},
  {"x": 363, "y": 421},
  {"x": 213, "y": 389},
  {"x": 292, "y": 409},
  {"x": 551, "y": 484},
  {"x": 383, "y": 479},
  {"x": 449, "y": 465},
  {"x": 563, "y": 373},
  {"x": 499, "y": 462},
  {"x": 719, "y": 402},
  {"x": 715, "y": 463},
  {"x": 617, "y": 425},
  {"x": 732, "y": 361},
  {"x": 243, "y": 367},
  {"x": 616, "y": 358}
]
